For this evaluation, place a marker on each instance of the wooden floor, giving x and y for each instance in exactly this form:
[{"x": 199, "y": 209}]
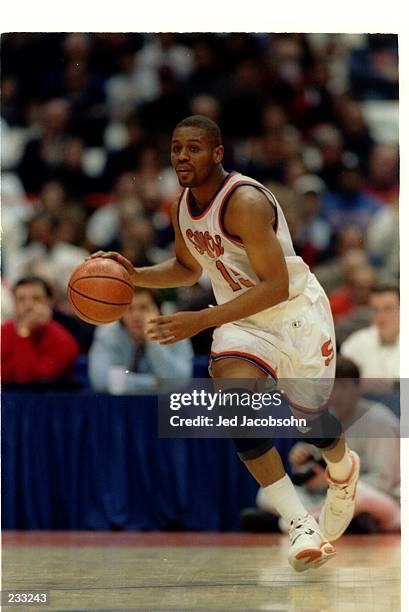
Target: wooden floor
[{"x": 188, "y": 571}]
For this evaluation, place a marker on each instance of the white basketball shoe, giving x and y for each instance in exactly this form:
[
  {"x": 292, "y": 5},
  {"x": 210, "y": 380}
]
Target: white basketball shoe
[
  {"x": 339, "y": 506},
  {"x": 308, "y": 547}
]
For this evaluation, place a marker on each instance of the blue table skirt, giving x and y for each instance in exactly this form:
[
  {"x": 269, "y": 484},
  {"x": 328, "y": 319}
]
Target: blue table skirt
[{"x": 78, "y": 461}]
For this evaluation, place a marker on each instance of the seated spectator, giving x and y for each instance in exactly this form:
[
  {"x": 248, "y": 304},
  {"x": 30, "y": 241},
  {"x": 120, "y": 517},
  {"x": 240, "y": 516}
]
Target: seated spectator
[
  {"x": 42, "y": 154},
  {"x": 348, "y": 204},
  {"x": 377, "y": 495},
  {"x": 354, "y": 293},
  {"x": 315, "y": 234},
  {"x": 383, "y": 241},
  {"x": 349, "y": 254},
  {"x": 124, "y": 344},
  {"x": 356, "y": 133},
  {"x": 375, "y": 349},
  {"x": 104, "y": 224},
  {"x": 383, "y": 173},
  {"x": 47, "y": 253},
  {"x": 35, "y": 348}
]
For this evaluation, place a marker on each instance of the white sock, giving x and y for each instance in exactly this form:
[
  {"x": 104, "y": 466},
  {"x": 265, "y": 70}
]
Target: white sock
[
  {"x": 341, "y": 470},
  {"x": 283, "y": 496}
]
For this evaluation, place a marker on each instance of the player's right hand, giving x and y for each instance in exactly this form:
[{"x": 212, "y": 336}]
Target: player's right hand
[{"x": 116, "y": 257}]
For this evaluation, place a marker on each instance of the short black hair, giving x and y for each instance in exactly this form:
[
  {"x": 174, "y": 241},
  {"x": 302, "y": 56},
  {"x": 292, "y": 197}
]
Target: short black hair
[
  {"x": 203, "y": 123},
  {"x": 386, "y": 288},
  {"x": 34, "y": 280},
  {"x": 346, "y": 368}
]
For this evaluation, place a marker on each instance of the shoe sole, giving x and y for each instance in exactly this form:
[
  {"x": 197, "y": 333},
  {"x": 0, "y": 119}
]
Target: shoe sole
[{"x": 313, "y": 558}]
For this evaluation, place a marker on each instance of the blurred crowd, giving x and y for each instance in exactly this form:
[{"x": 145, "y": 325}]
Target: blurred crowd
[{"x": 86, "y": 121}]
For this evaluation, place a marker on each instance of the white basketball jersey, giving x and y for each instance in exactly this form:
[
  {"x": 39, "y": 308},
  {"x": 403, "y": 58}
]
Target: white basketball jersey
[{"x": 223, "y": 256}]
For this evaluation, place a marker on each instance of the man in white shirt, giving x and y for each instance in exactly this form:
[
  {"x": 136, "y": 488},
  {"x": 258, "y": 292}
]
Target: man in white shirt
[{"x": 375, "y": 349}]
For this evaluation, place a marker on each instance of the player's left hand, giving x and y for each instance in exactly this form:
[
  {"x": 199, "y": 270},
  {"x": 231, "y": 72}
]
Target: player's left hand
[{"x": 169, "y": 329}]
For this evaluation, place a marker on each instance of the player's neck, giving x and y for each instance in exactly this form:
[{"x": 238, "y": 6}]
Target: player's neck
[{"x": 205, "y": 193}]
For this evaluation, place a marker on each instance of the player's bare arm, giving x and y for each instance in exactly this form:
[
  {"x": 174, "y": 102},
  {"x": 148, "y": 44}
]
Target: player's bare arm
[
  {"x": 181, "y": 270},
  {"x": 250, "y": 216}
]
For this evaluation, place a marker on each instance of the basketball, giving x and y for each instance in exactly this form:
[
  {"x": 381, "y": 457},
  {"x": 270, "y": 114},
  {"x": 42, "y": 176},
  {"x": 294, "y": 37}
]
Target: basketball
[{"x": 100, "y": 291}]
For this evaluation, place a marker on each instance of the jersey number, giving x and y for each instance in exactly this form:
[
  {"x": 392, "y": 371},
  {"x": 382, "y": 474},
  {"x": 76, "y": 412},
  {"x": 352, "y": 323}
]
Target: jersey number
[{"x": 227, "y": 275}]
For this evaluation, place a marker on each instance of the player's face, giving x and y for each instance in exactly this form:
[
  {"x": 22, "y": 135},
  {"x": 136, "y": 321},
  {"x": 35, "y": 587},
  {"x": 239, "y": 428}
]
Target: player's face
[
  {"x": 385, "y": 314},
  {"x": 194, "y": 156},
  {"x": 27, "y": 297}
]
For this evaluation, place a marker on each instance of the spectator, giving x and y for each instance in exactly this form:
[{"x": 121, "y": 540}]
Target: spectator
[
  {"x": 104, "y": 224},
  {"x": 374, "y": 71},
  {"x": 375, "y": 349},
  {"x": 42, "y": 155},
  {"x": 158, "y": 51},
  {"x": 46, "y": 252},
  {"x": 349, "y": 254},
  {"x": 35, "y": 348},
  {"x": 354, "y": 293},
  {"x": 52, "y": 197},
  {"x": 314, "y": 237},
  {"x": 125, "y": 344},
  {"x": 124, "y": 159},
  {"x": 383, "y": 173},
  {"x": 329, "y": 144},
  {"x": 377, "y": 494},
  {"x": 70, "y": 172},
  {"x": 383, "y": 241},
  {"x": 357, "y": 137},
  {"x": 348, "y": 204}
]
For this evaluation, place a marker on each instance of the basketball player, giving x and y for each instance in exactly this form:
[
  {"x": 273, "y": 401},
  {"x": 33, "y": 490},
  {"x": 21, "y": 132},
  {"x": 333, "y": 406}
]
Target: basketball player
[{"x": 272, "y": 319}]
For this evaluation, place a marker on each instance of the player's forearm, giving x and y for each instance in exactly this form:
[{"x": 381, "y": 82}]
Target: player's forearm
[
  {"x": 170, "y": 273},
  {"x": 264, "y": 295}
]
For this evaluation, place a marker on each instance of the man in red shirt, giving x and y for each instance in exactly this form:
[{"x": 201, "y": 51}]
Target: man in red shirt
[{"x": 34, "y": 347}]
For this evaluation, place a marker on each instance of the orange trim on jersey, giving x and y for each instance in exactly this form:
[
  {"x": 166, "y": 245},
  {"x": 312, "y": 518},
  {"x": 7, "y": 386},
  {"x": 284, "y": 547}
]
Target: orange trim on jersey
[
  {"x": 210, "y": 204},
  {"x": 248, "y": 357},
  {"x": 235, "y": 239}
]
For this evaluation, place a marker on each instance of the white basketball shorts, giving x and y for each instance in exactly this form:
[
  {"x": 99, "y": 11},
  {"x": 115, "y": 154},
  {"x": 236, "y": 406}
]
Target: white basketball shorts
[{"x": 296, "y": 348}]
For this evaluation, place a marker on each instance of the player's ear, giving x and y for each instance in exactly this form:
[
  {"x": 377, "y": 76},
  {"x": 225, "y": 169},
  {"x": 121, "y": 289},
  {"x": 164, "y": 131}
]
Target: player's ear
[{"x": 218, "y": 153}]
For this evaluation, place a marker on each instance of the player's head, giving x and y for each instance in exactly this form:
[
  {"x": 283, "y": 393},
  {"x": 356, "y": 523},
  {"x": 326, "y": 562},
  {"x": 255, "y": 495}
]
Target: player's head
[
  {"x": 196, "y": 150},
  {"x": 144, "y": 306},
  {"x": 28, "y": 292},
  {"x": 385, "y": 302}
]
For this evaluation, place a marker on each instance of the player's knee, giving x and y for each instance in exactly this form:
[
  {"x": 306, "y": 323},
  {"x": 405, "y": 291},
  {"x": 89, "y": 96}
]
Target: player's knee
[
  {"x": 247, "y": 448},
  {"x": 252, "y": 448},
  {"x": 324, "y": 431}
]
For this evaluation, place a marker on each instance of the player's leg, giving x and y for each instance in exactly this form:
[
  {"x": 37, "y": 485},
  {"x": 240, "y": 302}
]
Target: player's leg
[
  {"x": 308, "y": 548},
  {"x": 342, "y": 475},
  {"x": 325, "y": 432},
  {"x": 310, "y": 395}
]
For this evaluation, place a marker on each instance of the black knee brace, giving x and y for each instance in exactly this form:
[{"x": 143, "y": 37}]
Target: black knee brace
[
  {"x": 247, "y": 448},
  {"x": 324, "y": 431},
  {"x": 252, "y": 448}
]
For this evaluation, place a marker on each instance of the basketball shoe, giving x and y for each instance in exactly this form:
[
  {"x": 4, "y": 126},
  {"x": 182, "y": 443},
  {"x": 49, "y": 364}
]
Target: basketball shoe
[
  {"x": 308, "y": 548},
  {"x": 339, "y": 507}
]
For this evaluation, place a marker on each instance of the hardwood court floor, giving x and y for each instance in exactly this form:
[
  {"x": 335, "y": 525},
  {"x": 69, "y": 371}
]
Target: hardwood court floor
[{"x": 190, "y": 571}]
